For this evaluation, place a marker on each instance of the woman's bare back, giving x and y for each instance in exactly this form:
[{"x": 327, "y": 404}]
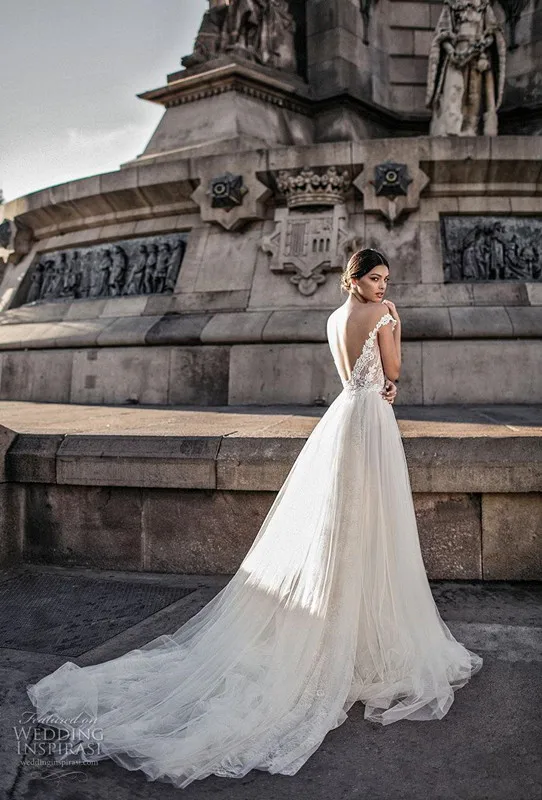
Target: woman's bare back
[{"x": 348, "y": 328}]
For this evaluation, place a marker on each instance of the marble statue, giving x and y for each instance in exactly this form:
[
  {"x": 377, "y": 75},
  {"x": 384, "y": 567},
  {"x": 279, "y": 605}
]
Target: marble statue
[
  {"x": 277, "y": 46},
  {"x": 209, "y": 38},
  {"x": 244, "y": 27},
  {"x": 257, "y": 30},
  {"x": 466, "y": 70}
]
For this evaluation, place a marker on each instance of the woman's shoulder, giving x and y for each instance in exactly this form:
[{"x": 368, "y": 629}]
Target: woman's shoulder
[
  {"x": 332, "y": 317},
  {"x": 377, "y": 316},
  {"x": 381, "y": 309},
  {"x": 358, "y": 316},
  {"x": 373, "y": 312}
]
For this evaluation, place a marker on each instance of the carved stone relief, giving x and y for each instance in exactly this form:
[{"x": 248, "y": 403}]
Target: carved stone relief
[
  {"x": 148, "y": 265},
  {"x": 492, "y": 248},
  {"x": 313, "y": 187},
  {"x": 311, "y": 235},
  {"x": 258, "y": 30},
  {"x": 230, "y": 200},
  {"x": 5, "y": 233},
  {"x": 466, "y": 70},
  {"x": 391, "y": 180},
  {"x": 16, "y": 238},
  {"x": 306, "y": 244},
  {"x": 227, "y": 191},
  {"x": 391, "y": 188}
]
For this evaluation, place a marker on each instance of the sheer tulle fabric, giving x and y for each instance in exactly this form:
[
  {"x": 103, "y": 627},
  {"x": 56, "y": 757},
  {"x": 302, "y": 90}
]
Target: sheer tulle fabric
[{"x": 330, "y": 605}]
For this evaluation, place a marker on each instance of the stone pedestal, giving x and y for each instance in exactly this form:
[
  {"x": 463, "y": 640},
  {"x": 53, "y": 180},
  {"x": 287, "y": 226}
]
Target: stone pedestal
[{"x": 229, "y": 105}]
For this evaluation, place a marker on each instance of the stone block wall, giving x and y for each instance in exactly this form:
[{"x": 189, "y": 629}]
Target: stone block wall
[
  {"x": 436, "y": 371},
  {"x": 195, "y": 504},
  {"x": 408, "y": 32}
]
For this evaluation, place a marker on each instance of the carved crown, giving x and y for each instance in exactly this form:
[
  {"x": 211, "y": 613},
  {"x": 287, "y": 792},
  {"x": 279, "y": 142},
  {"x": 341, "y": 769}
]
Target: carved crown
[{"x": 312, "y": 187}]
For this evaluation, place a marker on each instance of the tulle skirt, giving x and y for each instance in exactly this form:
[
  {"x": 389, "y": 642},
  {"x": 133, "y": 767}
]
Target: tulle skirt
[{"x": 330, "y": 605}]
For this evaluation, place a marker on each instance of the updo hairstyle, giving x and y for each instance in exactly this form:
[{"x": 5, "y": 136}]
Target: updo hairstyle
[{"x": 362, "y": 262}]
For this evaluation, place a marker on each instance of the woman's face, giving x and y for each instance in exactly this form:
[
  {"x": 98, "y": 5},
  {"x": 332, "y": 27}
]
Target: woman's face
[{"x": 373, "y": 285}]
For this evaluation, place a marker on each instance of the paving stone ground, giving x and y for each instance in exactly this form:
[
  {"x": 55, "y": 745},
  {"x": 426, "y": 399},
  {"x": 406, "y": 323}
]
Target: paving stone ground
[{"x": 488, "y": 747}]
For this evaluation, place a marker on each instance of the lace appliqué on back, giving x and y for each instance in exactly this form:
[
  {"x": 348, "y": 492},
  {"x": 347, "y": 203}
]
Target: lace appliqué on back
[{"x": 368, "y": 373}]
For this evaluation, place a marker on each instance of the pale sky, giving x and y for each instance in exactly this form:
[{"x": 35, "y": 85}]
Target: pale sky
[{"x": 71, "y": 70}]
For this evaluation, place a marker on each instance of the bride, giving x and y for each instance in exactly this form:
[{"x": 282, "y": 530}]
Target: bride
[{"x": 331, "y": 604}]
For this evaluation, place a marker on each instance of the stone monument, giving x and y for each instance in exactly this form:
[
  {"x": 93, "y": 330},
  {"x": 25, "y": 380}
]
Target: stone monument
[{"x": 203, "y": 270}]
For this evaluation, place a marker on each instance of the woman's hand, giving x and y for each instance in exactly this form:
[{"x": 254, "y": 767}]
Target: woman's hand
[
  {"x": 393, "y": 310},
  {"x": 389, "y": 392}
]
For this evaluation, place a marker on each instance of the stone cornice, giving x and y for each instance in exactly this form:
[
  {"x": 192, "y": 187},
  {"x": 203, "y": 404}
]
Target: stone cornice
[
  {"x": 232, "y": 77},
  {"x": 491, "y": 165},
  {"x": 30, "y": 327}
]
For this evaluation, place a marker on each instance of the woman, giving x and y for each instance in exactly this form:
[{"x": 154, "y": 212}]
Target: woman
[{"x": 330, "y": 605}]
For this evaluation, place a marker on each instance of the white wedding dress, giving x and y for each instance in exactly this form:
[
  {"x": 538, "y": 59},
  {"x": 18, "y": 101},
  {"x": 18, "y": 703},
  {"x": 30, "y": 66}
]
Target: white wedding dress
[{"x": 330, "y": 605}]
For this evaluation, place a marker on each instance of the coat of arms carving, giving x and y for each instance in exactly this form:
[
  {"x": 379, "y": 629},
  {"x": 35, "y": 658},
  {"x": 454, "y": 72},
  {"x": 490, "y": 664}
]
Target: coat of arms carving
[{"x": 309, "y": 243}]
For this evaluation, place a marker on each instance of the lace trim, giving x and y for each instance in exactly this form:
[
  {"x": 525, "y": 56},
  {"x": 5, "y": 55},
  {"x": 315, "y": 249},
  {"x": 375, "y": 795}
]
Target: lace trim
[{"x": 367, "y": 372}]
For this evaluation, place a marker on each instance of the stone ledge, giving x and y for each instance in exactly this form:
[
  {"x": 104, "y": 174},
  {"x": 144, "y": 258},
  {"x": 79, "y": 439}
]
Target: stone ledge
[
  {"x": 146, "y": 461},
  {"x": 250, "y": 463},
  {"x": 303, "y": 325},
  {"x": 32, "y": 459},
  {"x": 511, "y": 464},
  {"x": 261, "y": 463}
]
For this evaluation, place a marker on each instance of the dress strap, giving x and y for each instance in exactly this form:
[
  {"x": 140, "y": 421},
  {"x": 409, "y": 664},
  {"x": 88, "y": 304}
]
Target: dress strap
[{"x": 384, "y": 319}]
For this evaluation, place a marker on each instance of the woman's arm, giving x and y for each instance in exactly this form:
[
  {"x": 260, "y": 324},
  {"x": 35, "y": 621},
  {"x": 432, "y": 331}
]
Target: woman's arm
[{"x": 390, "y": 344}]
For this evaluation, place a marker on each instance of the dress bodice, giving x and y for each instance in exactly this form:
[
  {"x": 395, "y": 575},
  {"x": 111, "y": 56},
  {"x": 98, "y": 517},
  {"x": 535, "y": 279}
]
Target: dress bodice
[{"x": 368, "y": 372}]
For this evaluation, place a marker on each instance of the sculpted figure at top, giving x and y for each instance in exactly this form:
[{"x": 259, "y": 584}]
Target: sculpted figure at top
[
  {"x": 258, "y": 30},
  {"x": 466, "y": 70}
]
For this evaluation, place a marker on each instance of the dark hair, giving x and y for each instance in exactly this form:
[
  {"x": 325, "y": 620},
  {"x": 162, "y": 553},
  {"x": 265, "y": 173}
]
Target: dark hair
[{"x": 362, "y": 262}]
